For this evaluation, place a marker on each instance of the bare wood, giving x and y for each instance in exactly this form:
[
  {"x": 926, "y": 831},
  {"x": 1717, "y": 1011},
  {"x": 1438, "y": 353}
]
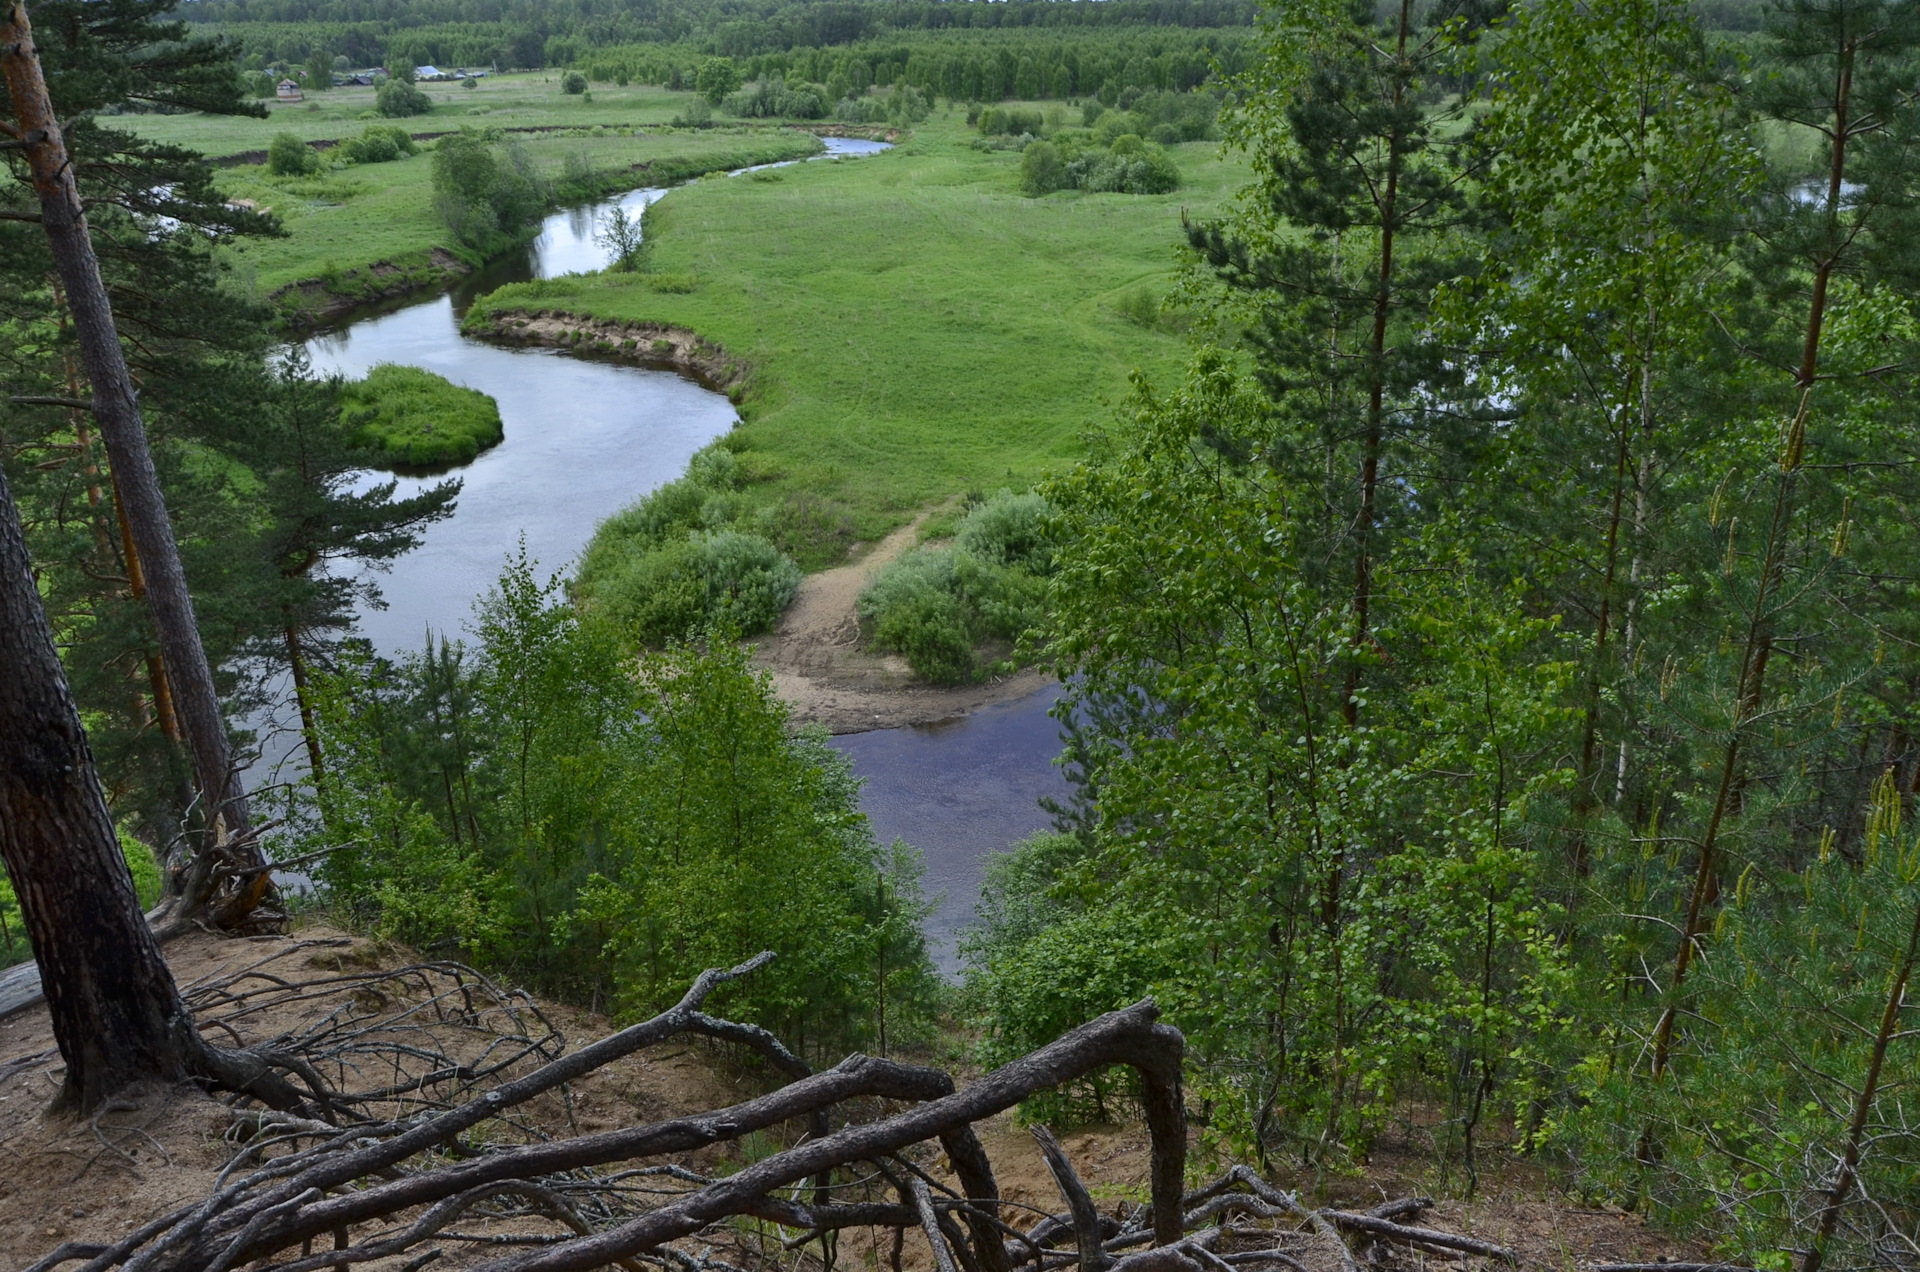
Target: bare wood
[
  {"x": 1404, "y": 1206},
  {"x": 856, "y": 1077},
  {"x": 117, "y": 413},
  {"x": 1419, "y": 1236},
  {"x": 333, "y": 1171},
  {"x": 1130, "y": 1037},
  {"x": 975, "y": 1172},
  {"x": 1085, "y": 1215},
  {"x": 930, "y": 1225}
]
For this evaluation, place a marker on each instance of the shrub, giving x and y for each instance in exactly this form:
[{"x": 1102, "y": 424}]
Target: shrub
[
  {"x": 680, "y": 586},
  {"x": 288, "y": 156},
  {"x": 379, "y": 143},
  {"x": 414, "y": 418},
  {"x": 1009, "y": 121},
  {"x": 573, "y": 83},
  {"x": 930, "y": 630},
  {"x": 696, "y": 114},
  {"x": 1131, "y": 166},
  {"x": 1041, "y": 170},
  {"x": 1009, "y": 530},
  {"x": 484, "y": 190},
  {"x": 773, "y": 99},
  {"x": 398, "y": 99},
  {"x": 718, "y": 76},
  {"x": 932, "y": 604},
  {"x": 748, "y": 580}
]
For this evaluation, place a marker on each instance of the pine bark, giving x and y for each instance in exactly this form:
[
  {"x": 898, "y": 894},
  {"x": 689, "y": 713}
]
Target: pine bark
[
  {"x": 117, "y": 413},
  {"x": 116, "y": 1013}
]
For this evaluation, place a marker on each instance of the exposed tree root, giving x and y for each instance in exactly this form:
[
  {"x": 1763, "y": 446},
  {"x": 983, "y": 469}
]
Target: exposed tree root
[{"x": 400, "y": 1121}]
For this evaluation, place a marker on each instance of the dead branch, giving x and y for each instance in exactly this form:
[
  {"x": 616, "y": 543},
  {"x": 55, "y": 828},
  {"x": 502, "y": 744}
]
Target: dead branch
[
  {"x": 415, "y": 1132},
  {"x": 1085, "y": 1215},
  {"x": 1420, "y": 1236},
  {"x": 930, "y": 1225}
]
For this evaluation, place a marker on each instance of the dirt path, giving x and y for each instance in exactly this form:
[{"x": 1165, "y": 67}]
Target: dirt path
[{"x": 819, "y": 667}]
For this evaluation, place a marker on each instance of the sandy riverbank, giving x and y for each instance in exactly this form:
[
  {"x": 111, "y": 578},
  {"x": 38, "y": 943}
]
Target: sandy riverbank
[{"x": 819, "y": 666}]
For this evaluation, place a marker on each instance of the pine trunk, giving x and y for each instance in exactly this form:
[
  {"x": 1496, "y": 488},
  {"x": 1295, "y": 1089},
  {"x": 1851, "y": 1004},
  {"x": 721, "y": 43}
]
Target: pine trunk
[{"x": 116, "y": 1012}]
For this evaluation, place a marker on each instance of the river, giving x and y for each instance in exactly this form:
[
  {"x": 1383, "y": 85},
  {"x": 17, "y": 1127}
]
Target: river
[{"x": 585, "y": 439}]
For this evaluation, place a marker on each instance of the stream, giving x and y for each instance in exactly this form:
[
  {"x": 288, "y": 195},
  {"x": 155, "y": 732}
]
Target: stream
[{"x": 584, "y": 440}]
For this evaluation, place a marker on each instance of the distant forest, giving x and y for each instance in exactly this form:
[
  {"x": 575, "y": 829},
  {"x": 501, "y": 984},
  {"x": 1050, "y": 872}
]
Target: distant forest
[{"x": 956, "y": 48}]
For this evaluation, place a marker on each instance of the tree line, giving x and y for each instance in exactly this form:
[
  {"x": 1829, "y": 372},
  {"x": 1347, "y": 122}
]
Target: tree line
[{"x": 369, "y": 32}]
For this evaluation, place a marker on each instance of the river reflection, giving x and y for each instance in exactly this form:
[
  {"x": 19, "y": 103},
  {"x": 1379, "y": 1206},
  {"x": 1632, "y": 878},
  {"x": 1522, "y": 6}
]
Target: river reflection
[{"x": 958, "y": 791}]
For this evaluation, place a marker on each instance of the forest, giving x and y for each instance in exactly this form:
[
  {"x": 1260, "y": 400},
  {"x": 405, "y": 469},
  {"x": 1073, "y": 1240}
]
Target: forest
[{"x": 1486, "y": 671}]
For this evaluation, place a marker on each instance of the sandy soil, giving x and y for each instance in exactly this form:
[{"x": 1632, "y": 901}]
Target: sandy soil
[
  {"x": 819, "y": 666},
  {"x": 96, "y": 1179}
]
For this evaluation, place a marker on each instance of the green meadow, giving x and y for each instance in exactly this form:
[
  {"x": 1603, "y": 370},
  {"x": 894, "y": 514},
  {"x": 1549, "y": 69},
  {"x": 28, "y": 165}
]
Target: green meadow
[
  {"x": 349, "y": 218},
  {"x": 915, "y": 327},
  {"x": 528, "y": 100}
]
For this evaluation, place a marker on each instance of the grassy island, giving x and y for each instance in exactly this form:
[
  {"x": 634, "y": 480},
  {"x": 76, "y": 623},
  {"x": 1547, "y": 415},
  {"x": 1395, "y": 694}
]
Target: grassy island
[{"x": 416, "y": 419}]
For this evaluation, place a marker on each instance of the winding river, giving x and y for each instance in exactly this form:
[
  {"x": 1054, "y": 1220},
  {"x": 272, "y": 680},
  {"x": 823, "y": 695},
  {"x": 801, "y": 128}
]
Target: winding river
[{"x": 585, "y": 439}]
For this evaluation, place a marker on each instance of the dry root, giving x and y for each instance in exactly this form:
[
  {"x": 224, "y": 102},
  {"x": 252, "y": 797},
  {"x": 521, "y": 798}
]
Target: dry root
[{"x": 402, "y": 1128}]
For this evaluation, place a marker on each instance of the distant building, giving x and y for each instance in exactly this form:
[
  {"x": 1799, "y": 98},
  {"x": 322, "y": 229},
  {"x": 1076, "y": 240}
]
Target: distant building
[
  {"x": 358, "y": 80},
  {"x": 288, "y": 91},
  {"x": 430, "y": 73}
]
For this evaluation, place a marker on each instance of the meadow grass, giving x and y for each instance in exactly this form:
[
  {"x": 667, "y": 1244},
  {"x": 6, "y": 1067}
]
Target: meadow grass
[
  {"x": 915, "y": 327},
  {"x": 352, "y": 217},
  {"x": 416, "y": 419},
  {"x": 529, "y": 100}
]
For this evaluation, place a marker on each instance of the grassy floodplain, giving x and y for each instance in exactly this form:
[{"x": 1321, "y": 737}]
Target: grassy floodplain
[
  {"x": 915, "y": 326},
  {"x": 352, "y": 217}
]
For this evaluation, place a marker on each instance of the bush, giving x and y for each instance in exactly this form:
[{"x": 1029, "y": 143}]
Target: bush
[
  {"x": 696, "y": 114},
  {"x": 398, "y": 99},
  {"x": 933, "y": 604},
  {"x": 379, "y": 143},
  {"x": 1009, "y": 121},
  {"x": 718, "y": 76},
  {"x": 748, "y": 580},
  {"x": 772, "y": 99},
  {"x": 485, "y": 190},
  {"x": 1041, "y": 170},
  {"x": 681, "y": 586},
  {"x": 573, "y": 83},
  {"x": 606, "y": 826},
  {"x": 288, "y": 156},
  {"x": 414, "y": 418},
  {"x": 1132, "y": 166},
  {"x": 1010, "y": 530},
  {"x": 930, "y": 629}
]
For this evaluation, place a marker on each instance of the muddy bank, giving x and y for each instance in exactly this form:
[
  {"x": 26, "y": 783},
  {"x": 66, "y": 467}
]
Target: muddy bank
[
  {"x": 655, "y": 346},
  {"x": 315, "y": 302}
]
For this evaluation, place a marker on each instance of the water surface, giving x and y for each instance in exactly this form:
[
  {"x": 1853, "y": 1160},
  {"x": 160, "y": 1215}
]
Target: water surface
[{"x": 958, "y": 791}]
